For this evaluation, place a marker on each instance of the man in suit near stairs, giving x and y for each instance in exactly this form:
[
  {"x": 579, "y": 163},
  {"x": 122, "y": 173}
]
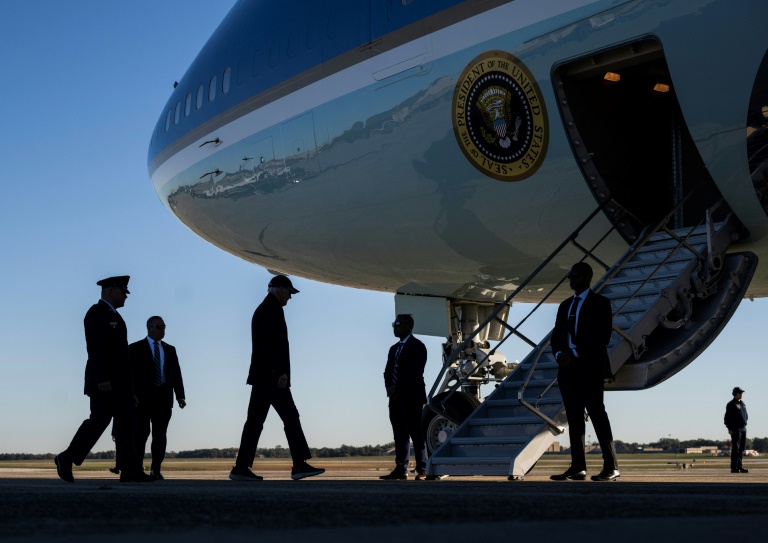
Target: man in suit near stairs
[
  {"x": 156, "y": 377},
  {"x": 404, "y": 381},
  {"x": 582, "y": 331}
]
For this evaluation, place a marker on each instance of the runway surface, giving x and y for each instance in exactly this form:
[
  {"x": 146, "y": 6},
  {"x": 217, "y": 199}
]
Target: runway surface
[{"x": 341, "y": 506}]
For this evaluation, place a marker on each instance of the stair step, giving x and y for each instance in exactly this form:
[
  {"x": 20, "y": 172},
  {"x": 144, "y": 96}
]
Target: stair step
[
  {"x": 485, "y": 441},
  {"x": 506, "y": 421},
  {"x": 638, "y": 265},
  {"x": 513, "y": 402},
  {"x": 493, "y": 460},
  {"x": 533, "y": 383}
]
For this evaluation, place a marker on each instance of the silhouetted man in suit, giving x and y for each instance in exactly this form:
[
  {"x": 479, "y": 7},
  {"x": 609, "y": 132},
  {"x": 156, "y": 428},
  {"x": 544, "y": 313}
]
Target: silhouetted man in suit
[
  {"x": 156, "y": 377},
  {"x": 270, "y": 379},
  {"x": 108, "y": 384},
  {"x": 404, "y": 381},
  {"x": 582, "y": 331}
]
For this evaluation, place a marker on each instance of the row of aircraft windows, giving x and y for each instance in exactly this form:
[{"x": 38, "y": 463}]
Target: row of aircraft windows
[
  {"x": 174, "y": 114},
  {"x": 318, "y": 30}
]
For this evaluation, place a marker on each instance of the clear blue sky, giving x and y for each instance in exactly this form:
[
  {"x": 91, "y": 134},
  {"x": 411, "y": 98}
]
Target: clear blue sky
[{"x": 83, "y": 83}]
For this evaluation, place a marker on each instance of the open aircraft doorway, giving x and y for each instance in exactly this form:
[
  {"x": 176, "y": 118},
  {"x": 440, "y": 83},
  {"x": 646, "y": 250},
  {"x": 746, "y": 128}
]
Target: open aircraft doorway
[{"x": 630, "y": 138}]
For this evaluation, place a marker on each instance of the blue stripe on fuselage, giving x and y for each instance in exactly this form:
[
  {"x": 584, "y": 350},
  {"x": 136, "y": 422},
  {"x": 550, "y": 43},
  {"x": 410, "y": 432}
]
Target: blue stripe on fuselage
[{"x": 267, "y": 42}]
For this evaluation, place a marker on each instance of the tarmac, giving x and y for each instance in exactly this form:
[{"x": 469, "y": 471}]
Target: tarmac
[{"x": 346, "y": 506}]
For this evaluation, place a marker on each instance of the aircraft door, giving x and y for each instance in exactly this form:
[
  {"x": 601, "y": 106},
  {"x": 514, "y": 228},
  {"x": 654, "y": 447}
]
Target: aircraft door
[{"x": 630, "y": 139}]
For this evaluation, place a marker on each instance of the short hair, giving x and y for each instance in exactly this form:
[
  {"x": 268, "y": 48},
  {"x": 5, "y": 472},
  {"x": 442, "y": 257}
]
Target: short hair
[
  {"x": 582, "y": 268},
  {"x": 405, "y": 319},
  {"x": 150, "y": 319}
]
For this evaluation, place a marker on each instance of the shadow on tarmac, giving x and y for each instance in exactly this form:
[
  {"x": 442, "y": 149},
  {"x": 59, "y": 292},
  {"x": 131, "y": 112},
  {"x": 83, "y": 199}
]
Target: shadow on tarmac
[{"x": 638, "y": 508}]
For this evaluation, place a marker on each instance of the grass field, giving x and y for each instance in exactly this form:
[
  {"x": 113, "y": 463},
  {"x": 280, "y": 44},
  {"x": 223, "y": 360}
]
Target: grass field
[{"x": 548, "y": 463}]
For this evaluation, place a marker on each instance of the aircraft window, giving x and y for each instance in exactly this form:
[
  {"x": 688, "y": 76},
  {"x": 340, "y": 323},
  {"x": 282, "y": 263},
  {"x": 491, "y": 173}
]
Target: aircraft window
[
  {"x": 168, "y": 120},
  {"x": 200, "y": 94},
  {"x": 177, "y": 113},
  {"x": 212, "y": 89},
  {"x": 188, "y": 104},
  {"x": 225, "y": 80}
]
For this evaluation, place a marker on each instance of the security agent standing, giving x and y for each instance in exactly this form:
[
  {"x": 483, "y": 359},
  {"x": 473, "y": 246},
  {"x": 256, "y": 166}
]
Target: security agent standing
[
  {"x": 156, "y": 377},
  {"x": 736, "y": 422},
  {"x": 108, "y": 384},
  {"x": 270, "y": 379},
  {"x": 579, "y": 340},
  {"x": 404, "y": 381}
]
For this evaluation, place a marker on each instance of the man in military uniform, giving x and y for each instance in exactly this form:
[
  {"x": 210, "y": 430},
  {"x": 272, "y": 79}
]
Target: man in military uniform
[
  {"x": 108, "y": 384},
  {"x": 736, "y": 422}
]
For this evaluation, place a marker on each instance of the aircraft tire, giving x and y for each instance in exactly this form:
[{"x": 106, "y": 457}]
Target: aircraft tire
[{"x": 436, "y": 427}]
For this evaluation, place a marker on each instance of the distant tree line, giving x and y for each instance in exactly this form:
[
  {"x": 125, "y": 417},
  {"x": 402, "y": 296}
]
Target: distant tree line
[
  {"x": 277, "y": 452},
  {"x": 759, "y": 444}
]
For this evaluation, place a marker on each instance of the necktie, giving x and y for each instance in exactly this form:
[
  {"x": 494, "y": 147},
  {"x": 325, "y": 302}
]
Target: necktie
[
  {"x": 397, "y": 357},
  {"x": 572, "y": 317},
  {"x": 158, "y": 370}
]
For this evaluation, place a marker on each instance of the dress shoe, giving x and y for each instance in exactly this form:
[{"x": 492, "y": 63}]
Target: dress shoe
[
  {"x": 157, "y": 475},
  {"x": 740, "y": 470},
  {"x": 115, "y": 470},
  {"x": 64, "y": 467},
  {"x": 244, "y": 474},
  {"x": 396, "y": 475},
  {"x": 606, "y": 475},
  {"x": 304, "y": 470},
  {"x": 421, "y": 475},
  {"x": 570, "y": 475}
]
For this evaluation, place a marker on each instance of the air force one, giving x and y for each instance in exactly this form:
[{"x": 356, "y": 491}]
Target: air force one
[{"x": 464, "y": 154}]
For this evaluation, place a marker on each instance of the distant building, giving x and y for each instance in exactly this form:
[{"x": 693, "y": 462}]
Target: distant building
[
  {"x": 707, "y": 449},
  {"x": 554, "y": 448}
]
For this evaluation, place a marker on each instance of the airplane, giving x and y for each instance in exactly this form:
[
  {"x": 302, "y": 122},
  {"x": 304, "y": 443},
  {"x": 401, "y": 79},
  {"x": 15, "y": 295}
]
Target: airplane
[{"x": 464, "y": 154}]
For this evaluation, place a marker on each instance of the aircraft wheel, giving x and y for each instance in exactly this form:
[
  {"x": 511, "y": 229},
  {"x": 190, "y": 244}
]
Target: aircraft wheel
[{"x": 437, "y": 429}]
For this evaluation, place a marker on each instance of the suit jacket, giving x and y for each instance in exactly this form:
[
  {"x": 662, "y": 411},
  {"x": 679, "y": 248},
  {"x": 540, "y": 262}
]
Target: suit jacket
[
  {"x": 410, "y": 370},
  {"x": 143, "y": 366},
  {"x": 270, "y": 352},
  {"x": 593, "y": 333},
  {"x": 106, "y": 339}
]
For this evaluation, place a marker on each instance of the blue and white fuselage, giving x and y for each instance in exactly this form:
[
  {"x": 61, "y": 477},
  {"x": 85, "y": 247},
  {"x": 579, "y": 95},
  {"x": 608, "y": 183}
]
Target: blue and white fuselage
[{"x": 328, "y": 139}]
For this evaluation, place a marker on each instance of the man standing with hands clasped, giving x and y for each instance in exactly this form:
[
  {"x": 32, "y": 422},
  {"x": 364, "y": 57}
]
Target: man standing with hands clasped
[
  {"x": 579, "y": 341},
  {"x": 736, "y": 422},
  {"x": 404, "y": 381},
  {"x": 270, "y": 379}
]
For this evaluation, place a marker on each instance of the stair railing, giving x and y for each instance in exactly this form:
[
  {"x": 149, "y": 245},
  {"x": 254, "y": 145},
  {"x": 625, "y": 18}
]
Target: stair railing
[
  {"x": 639, "y": 244},
  {"x": 514, "y": 330}
]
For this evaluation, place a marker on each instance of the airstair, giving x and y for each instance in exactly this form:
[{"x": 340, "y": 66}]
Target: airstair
[{"x": 671, "y": 294}]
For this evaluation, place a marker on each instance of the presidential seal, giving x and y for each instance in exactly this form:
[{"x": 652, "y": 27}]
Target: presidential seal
[{"x": 499, "y": 117}]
